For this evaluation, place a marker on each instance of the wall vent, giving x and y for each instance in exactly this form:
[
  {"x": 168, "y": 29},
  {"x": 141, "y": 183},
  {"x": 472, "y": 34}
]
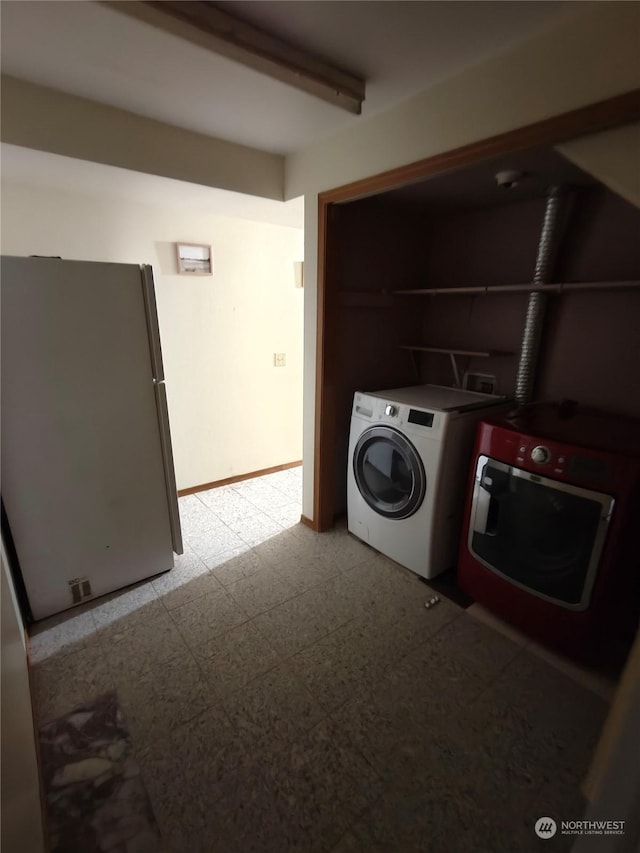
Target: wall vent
[{"x": 80, "y": 589}]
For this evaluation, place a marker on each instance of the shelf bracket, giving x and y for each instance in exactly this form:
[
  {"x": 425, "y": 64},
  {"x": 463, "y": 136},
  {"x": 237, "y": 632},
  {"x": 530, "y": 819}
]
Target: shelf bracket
[{"x": 456, "y": 372}]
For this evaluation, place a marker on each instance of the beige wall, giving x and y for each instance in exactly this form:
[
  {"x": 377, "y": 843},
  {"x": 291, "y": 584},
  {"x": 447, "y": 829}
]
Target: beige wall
[
  {"x": 612, "y": 157},
  {"x": 37, "y": 117},
  {"x": 588, "y": 58},
  {"x": 21, "y": 811},
  {"x": 231, "y": 410}
]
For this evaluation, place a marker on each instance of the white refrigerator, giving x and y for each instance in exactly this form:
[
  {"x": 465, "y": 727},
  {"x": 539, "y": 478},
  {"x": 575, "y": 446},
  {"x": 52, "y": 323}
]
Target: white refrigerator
[{"x": 88, "y": 483}]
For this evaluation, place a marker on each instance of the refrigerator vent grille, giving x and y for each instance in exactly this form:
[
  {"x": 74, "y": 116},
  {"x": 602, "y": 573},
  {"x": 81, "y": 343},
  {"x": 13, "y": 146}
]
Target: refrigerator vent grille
[{"x": 80, "y": 589}]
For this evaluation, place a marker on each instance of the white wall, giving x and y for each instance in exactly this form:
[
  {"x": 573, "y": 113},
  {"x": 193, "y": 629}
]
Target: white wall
[
  {"x": 21, "y": 810},
  {"x": 47, "y": 120},
  {"x": 231, "y": 411},
  {"x": 613, "y": 157},
  {"x": 586, "y": 59}
]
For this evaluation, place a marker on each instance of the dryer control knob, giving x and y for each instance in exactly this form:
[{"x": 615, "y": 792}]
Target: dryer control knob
[
  {"x": 541, "y": 454},
  {"x": 391, "y": 411}
]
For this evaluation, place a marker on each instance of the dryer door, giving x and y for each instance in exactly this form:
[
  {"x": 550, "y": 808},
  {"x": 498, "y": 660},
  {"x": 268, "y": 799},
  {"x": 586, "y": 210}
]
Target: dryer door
[
  {"x": 542, "y": 535},
  {"x": 389, "y": 472}
]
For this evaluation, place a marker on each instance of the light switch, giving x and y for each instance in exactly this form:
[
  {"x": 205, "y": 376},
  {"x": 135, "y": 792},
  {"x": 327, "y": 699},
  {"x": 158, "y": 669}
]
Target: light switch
[{"x": 279, "y": 359}]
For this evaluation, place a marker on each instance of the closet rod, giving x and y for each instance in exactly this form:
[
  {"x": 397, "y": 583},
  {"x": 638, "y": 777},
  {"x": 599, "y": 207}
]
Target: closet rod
[{"x": 561, "y": 287}]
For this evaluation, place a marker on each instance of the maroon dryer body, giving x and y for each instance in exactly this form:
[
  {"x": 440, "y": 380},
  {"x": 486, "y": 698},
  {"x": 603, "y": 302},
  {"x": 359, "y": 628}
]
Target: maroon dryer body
[{"x": 549, "y": 542}]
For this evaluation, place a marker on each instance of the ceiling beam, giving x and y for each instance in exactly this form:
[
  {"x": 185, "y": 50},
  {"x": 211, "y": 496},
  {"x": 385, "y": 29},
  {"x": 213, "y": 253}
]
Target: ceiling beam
[{"x": 203, "y": 23}]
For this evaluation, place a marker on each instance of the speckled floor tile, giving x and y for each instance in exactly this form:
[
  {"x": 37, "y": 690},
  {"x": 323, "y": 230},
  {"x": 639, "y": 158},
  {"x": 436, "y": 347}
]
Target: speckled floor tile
[
  {"x": 409, "y": 818},
  {"x": 386, "y": 600},
  {"x": 286, "y": 515},
  {"x": 483, "y": 650},
  {"x": 566, "y": 716},
  {"x": 260, "y": 493},
  {"x": 256, "y": 528},
  {"x": 474, "y": 764},
  {"x": 497, "y": 830},
  {"x": 303, "y": 572},
  {"x": 349, "y": 843},
  {"x": 232, "y": 567},
  {"x": 129, "y": 651},
  {"x": 294, "y": 625},
  {"x": 336, "y": 547},
  {"x": 236, "y": 658},
  {"x": 377, "y": 730},
  {"x": 207, "y": 617},
  {"x": 322, "y": 785},
  {"x": 166, "y": 693},
  {"x": 276, "y": 703},
  {"x": 377, "y": 586},
  {"x": 179, "y": 575},
  {"x": 62, "y": 682},
  {"x": 126, "y": 606},
  {"x": 263, "y": 496},
  {"x": 434, "y": 686},
  {"x": 201, "y": 523},
  {"x": 215, "y": 542},
  {"x": 61, "y": 634},
  {"x": 227, "y": 504},
  {"x": 190, "y": 505},
  {"x": 404, "y": 620},
  {"x": 341, "y": 665},
  {"x": 280, "y": 548},
  {"x": 183, "y": 771},
  {"x": 481, "y": 614},
  {"x": 603, "y": 684},
  {"x": 247, "y": 822},
  {"x": 191, "y": 589},
  {"x": 261, "y": 591}
]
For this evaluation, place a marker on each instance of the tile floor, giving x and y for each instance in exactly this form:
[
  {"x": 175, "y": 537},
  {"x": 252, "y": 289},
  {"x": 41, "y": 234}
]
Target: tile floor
[{"x": 288, "y": 691}]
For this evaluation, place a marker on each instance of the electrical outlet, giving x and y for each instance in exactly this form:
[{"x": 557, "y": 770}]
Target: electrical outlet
[{"x": 279, "y": 359}]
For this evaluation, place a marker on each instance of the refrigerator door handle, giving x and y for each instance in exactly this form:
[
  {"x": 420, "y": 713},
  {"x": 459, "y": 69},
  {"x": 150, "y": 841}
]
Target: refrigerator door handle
[
  {"x": 153, "y": 329},
  {"x": 167, "y": 461}
]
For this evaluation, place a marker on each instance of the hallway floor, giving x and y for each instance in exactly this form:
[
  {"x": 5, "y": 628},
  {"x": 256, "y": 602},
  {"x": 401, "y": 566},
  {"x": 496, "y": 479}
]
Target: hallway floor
[{"x": 288, "y": 691}]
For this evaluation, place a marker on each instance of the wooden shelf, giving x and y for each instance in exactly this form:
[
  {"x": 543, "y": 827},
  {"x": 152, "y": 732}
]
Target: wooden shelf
[
  {"x": 555, "y": 287},
  {"x": 471, "y": 353}
]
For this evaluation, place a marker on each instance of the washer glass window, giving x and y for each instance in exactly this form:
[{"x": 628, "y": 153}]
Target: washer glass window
[{"x": 389, "y": 472}]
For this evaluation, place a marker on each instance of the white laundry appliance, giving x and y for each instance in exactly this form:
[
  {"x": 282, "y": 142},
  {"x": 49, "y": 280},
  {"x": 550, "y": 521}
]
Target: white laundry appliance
[{"x": 409, "y": 454}]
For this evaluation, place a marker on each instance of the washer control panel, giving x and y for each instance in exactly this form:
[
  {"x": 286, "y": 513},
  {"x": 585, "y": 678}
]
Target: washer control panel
[{"x": 416, "y": 422}]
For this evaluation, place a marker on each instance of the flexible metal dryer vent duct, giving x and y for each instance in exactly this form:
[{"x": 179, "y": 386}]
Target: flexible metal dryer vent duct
[{"x": 534, "y": 319}]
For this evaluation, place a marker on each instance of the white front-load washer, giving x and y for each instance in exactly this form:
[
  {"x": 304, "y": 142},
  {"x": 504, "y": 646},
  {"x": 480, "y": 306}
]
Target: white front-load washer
[{"x": 409, "y": 454}]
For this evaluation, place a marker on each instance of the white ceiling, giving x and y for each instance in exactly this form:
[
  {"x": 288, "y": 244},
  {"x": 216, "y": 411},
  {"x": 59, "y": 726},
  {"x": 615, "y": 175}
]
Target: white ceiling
[
  {"x": 40, "y": 169},
  {"x": 400, "y": 48}
]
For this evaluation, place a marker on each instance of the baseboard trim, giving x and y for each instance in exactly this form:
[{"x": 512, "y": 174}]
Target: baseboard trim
[
  {"x": 308, "y": 522},
  {"x": 228, "y": 480}
]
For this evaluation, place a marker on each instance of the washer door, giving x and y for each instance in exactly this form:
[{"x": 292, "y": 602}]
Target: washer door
[{"x": 389, "y": 472}]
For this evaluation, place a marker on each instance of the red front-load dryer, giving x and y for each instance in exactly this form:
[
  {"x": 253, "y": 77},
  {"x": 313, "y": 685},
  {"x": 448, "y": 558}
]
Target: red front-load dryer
[{"x": 549, "y": 542}]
